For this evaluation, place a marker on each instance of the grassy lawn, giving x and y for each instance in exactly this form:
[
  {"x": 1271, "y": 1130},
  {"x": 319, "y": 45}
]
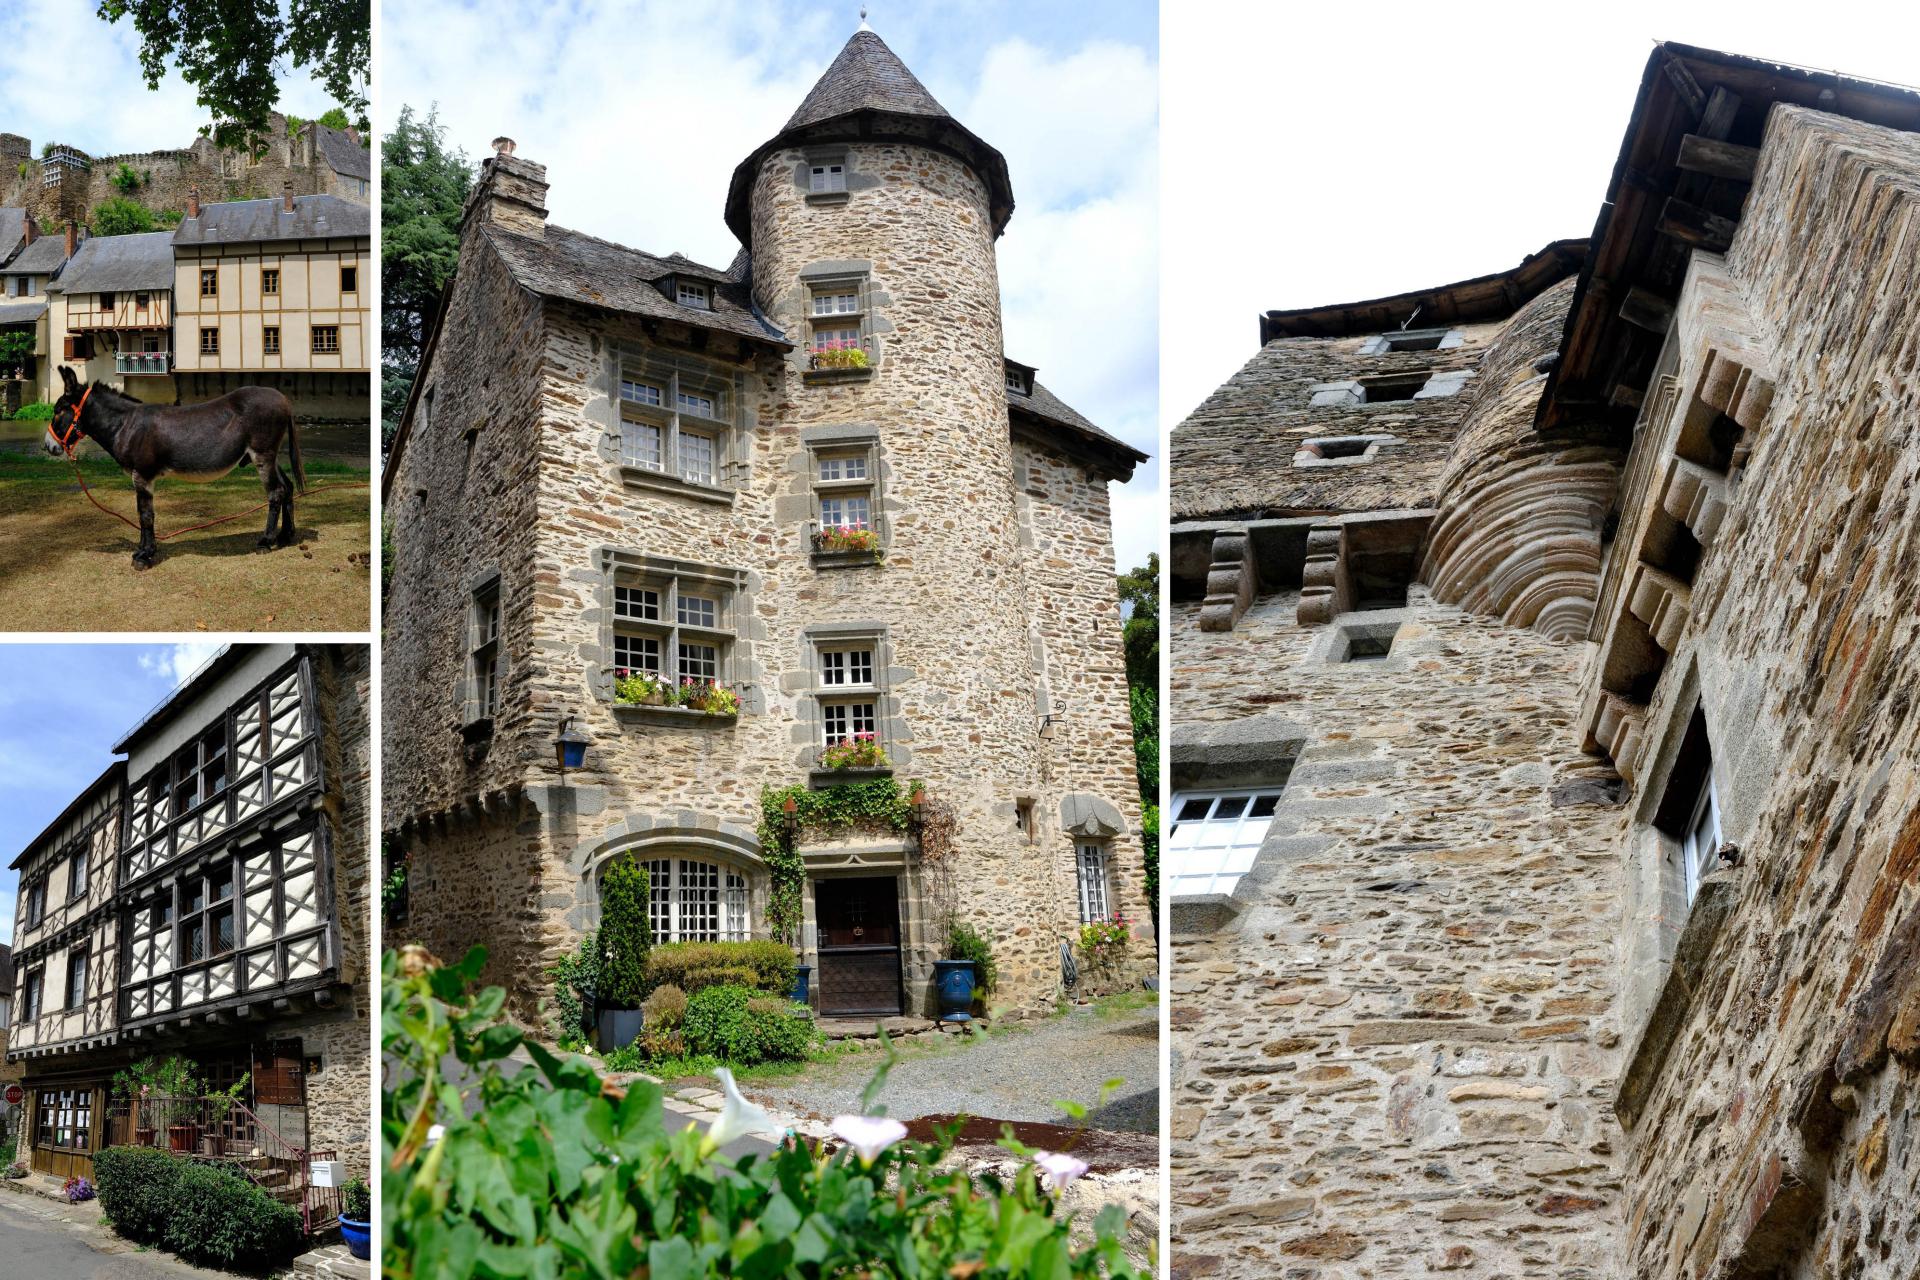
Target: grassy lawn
[{"x": 65, "y": 566}]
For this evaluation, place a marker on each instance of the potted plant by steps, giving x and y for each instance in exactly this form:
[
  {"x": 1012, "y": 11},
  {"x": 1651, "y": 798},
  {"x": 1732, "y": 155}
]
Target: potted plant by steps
[
  {"x": 153, "y": 1088},
  {"x": 625, "y": 935},
  {"x": 802, "y": 984},
  {"x": 220, "y": 1105},
  {"x": 356, "y": 1218},
  {"x": 967, "y": 970}
]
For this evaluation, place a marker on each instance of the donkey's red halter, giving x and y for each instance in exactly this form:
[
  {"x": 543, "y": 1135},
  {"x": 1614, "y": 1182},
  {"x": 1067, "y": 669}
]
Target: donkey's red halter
[{"x": 73, "y": 428}]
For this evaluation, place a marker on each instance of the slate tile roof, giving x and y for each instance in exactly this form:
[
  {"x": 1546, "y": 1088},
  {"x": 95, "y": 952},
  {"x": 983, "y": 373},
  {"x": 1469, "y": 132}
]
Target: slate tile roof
[
  {"x": 241, "y": 221},
  {"x": 114, "y": 264},
  {"x": 867, "y": 76},
  {"x": 343, "y": 155}
]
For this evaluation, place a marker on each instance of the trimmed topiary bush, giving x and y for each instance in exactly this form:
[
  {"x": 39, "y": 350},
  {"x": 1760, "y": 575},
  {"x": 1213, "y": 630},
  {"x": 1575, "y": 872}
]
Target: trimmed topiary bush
[
  {"x": 625, "y": 934},
  {"x": 764, "y": 965},
  {"x": 136, "y": 1190},
  {"x": 208, "y": 1215},
  {"x": 742, "y": 1026}
]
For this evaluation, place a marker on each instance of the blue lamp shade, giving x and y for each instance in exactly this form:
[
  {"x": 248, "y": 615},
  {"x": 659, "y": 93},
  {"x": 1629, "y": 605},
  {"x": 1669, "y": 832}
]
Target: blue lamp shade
[{"x": 571, "y": 745}]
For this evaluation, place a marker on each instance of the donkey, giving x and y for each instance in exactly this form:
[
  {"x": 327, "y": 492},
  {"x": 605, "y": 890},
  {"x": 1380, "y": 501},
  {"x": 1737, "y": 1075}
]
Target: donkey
[{"x": 195, "y": 442}]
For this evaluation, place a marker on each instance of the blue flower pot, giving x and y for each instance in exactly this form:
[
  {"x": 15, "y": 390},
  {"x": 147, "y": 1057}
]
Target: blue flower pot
[
  {"x": 358, "y": 1235},
  {"x": 802, "y": 982},
  {"x": 953, "y": 981}
]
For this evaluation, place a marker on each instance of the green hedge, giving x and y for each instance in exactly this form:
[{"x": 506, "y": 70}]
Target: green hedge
[
  {"x": 209, "y": 1216},
  {"x": 692, "y": 966},
  {"x": 742, "y": 1026},
  {"x": 624, "y": 935},
  {"x": 39, "y": 411}
]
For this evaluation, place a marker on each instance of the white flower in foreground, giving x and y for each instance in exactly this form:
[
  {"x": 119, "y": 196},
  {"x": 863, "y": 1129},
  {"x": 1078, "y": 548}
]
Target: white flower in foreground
[
  {"x": 1058, "y": 1169},
  {"x": 738, "y": 1117},
  {"x": 869, "y": 1135},
  {"x": 435, "y": 1133}
]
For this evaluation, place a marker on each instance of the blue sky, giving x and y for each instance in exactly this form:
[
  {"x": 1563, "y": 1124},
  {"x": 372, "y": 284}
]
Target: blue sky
[
  {"x": 87, "y": 90},
  {"x": 62, "y": 707},
  {"x": 641, "y": 110}
]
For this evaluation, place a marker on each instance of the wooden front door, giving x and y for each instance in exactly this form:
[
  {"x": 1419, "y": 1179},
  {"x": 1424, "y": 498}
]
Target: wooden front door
[
  {"x": 67, "y": 1122},
  {"x": 859, "y": 924}
]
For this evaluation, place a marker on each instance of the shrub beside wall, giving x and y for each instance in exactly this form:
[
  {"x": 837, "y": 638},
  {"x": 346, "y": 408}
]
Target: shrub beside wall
[
  {"x": 742, "y": 1026},
  {"x": 764, "y": 965},
  {"x": 209, "y": 1216}
]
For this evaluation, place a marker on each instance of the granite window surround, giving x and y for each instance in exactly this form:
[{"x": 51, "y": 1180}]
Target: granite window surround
[
  {"x": 820, "y": 186},
  {"x": 1251, "y": 756},
  {"x": 1366, "y": 636},
  {"x": 1353, "y": 393},
  {"x": 1093, "y": 879},
  {"x": 1342, "y": 451},
  {"x": 821, "y": 489},
  {"x": 484, "y": 668},
  {"x": 1427, "y": 339},
  {"x": 737, "y": 635},
  {"x": 809, "y": 683},
  {"x": 835, "y": 278},
  {"x": 661, "y": 436}
]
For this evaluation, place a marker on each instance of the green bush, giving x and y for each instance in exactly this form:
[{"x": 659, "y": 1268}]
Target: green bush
[
  {"x": 625, "y": 934},
  {"x": 666, "y": 1007},
  {"x": 576, "y": 983},
  {"x": 208, "y": 1215},
  {"x": 763, "y": 965},
  {"x": 38, "y": 411},
  {"x": 554, "y": 1177},
  {"x": 964, "y": 942},
  {"x": 739, "y": 1025},
  {"x": 119, "y": 216}
]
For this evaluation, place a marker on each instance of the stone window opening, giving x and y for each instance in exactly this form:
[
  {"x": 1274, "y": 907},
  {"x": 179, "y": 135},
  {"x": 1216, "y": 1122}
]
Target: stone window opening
[
  {"x": 1023, "y": 818},
  {"x": 847, "y": 525},
  {"x": 1340, "y": 451},
  {"x": 76, "y": 979},
  {"x": 837, "y": 323},
  {"x": 1356, "y": 641},
  {"x": 692, "y": 900},
  {"x": 483, "y": 655},
  {"x": 1215, "y": 838},
  {"x": 674, "y": 430},
  {"x": 1395, "y": 341},
  {"x": 848, "y": 688},
  {"x": 1096, "y": 889},
  {"x": 1384, "y": 387},
  {"x": 1689, "y": 815},
  {"x": 827, "y": 177},
  {"x": 671, "y": 629}
]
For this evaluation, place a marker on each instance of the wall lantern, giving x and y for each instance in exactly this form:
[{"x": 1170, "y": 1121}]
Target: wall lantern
[
  {"x": 1046, "y": 724},
  {"x": 569, "y": 747}
]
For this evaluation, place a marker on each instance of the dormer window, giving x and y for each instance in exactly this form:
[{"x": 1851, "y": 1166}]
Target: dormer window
[
  {"x": 826, "y": 178},
  {"x": 688, "y": 293},
  {"x": 1015, "y": 384}
]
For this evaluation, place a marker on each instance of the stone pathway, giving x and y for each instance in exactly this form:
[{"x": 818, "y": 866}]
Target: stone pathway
[{"x": 44, "y": 1237}]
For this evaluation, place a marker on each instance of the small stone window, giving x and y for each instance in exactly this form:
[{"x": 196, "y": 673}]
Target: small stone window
[
  {"x": 1096, "y": 890},
  {"x": 1428, "y": 339},
  {"x": 827, "y": 177},
  {"x": 823, "y": 177},
  {"x": 677, "y": 628},
  {"x": 675, "y": 432},
  {"x": 1023, "y": 818},
  {"x": 847, "y": 527},
  {"x": 1215, "y": 837},
  {"x": 1392, "y": 386},
  {"x": 848, "y": 687},
  {"x": 836, "y": 318},
  {"x": 1340, "y": 451},
  {"x": 483, "y": 655}
]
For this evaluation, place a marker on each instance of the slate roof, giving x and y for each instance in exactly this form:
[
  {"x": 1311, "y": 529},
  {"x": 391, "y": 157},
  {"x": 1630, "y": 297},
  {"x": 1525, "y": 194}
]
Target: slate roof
[
  {"x": 343, "y": 155},
  {"x": 114, "y": 264},
  {"x": 1055, "y": 412},
  {"x": 41, "y": 258},
  {"x": 21, "y": 312},
  {"x": 241, "y": 221},
  {"x": 577, "y": 267},
  {"x": 867, "y": 76},
  {"x": 13, "y": 229}
]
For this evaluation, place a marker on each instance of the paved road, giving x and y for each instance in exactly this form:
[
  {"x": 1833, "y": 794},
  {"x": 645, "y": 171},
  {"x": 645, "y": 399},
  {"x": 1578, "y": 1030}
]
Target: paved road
[{"x": 48, "y": 1240}]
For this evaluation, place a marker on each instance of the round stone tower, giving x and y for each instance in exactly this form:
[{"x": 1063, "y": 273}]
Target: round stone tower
[{"x": 870, "y": 221}]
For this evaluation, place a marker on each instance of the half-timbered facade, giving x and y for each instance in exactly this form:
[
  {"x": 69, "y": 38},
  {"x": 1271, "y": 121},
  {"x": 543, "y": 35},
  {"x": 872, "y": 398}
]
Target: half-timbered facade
[
  {"x": 24, "y": 277},
  {"x": 111, "y": 315},
  {"x": 225, "y": 922}
]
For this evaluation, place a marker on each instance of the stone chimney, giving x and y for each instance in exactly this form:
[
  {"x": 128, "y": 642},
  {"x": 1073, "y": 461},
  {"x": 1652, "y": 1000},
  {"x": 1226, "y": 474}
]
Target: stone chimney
[
  {"x": 193, "y": 202},
  {"x": 33, "y": 229},
  {"x": 73, "y": 236},
  {"x": 511, "y": 193},
  {"x": 286, "y": 195},
  {"x": 353, "y": 135}
]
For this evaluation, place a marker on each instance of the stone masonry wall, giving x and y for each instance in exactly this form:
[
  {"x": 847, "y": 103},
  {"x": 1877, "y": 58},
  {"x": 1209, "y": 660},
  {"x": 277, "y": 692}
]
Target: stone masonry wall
[
  {"x": 1398, "y": 1059},
  {"x": 1781, "y": 1136}
]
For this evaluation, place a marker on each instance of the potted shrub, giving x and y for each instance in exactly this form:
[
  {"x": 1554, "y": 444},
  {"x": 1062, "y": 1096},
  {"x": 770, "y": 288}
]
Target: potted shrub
[
  {"x": 154, "y": 1088},
  {"x": 625, "y": 935},
  {"x": 835, "y": 354},
  {"x": 356, "y": 1218},
  {"x": 968, "y": 968},
  {"x": 220, "y": 1105},
  {"x": 846, "y": 538},
  {"x": 861, "y": 751},
  {"x": 705, "y": 695},
  {"x": 639, "y": 689}
]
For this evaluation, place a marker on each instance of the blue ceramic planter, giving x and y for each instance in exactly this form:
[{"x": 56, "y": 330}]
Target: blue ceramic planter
[
  {"x": 802, "y": 982},
  {"x": 953, "y": 981},
  {"x": 358, "y": 1236}
]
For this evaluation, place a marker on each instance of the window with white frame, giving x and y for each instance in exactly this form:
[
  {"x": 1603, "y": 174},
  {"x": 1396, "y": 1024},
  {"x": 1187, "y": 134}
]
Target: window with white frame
[
  {"x": 690, "y": 900},
  {"x": 77, "y": 872},
  {"x": 827, "y": 176},
  {"x": 1090, "y": 857},
  {"x": 845, "y": 494},
  {"x": 847, "y": 687},
  {"x": 1701, "y": 847},
  {"x": 1215, "y": 837},
  {"x": 837, "y": 316},
  {"x": 32, "y": 993},
  {"x": 483, "y": 660},
  {"x": 673, "y": 425},
  {"x": 691, "y": 293},
  {"x": 672, "y": 627}
]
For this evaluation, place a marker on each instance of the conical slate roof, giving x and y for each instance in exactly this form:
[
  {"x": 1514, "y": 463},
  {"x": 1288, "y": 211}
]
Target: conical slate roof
[
  {"x": 868, "y": 95},
  {"x": 867, "y": 76}
]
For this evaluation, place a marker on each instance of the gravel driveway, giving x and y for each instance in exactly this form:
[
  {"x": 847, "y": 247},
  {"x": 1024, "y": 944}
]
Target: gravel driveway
[{"x": 1009, "y": 1074}]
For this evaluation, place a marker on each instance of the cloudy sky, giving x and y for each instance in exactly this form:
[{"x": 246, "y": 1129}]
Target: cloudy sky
[
  {"x": 641, "y": 110},
  {"x": 62, "y": 707},
  {"x": 1321, "y": 154},
  {"x": 84, "y": 87}
]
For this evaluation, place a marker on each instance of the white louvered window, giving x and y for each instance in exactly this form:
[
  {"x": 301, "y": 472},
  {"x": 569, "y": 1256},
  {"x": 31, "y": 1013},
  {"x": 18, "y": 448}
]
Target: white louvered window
[{"x": 1215, "y": 837}]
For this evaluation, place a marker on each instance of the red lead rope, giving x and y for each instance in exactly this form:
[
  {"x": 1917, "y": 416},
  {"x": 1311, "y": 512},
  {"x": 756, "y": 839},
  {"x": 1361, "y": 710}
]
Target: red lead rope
[{"x": 162, "y": 537}]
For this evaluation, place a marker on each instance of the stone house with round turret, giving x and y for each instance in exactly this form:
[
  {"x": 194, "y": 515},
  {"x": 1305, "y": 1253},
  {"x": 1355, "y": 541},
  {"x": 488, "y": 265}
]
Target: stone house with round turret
[{"x": 811, "y": 489}]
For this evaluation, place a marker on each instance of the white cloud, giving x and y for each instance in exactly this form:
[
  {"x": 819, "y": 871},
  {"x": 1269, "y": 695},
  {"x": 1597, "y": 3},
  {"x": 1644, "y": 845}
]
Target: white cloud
[
  {"x": 85, "y": 87},
  {"x": 175, "y": 662}
]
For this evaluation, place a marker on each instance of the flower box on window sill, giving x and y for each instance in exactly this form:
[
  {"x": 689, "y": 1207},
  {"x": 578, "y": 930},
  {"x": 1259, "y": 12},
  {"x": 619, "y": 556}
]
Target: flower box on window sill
[
  {"x": 686, "y": 717},
  {"x": 846, "y": 548},
  {"x": 818, "y": 777},
  {"x": 642, "y": 478},
  {"x": 827, "y": 377}
]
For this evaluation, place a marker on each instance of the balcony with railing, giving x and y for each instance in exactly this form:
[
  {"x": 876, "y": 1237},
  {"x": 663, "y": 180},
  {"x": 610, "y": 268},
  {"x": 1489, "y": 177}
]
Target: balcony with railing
[
  {"x": 143, "y": 362},
  {"x": 226, "y": 1132}
]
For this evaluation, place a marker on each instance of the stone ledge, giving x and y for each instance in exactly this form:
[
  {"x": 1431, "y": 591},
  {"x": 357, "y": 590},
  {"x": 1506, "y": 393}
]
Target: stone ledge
[
  {"x": 661, "y": 482},
  {"x": 1711, "y": 906},
  {"x": 828, "y": 377},
  {"x": 818, "y": 778},
  {"x": 848, "y": 559},
  {"x": 827, "y": 197},
  {"x": 640, "y": 713}
]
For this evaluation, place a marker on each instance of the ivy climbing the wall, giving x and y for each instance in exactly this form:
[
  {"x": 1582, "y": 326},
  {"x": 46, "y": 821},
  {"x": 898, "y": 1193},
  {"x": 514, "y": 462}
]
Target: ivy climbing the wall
[{"x": 880, "y": 802}]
